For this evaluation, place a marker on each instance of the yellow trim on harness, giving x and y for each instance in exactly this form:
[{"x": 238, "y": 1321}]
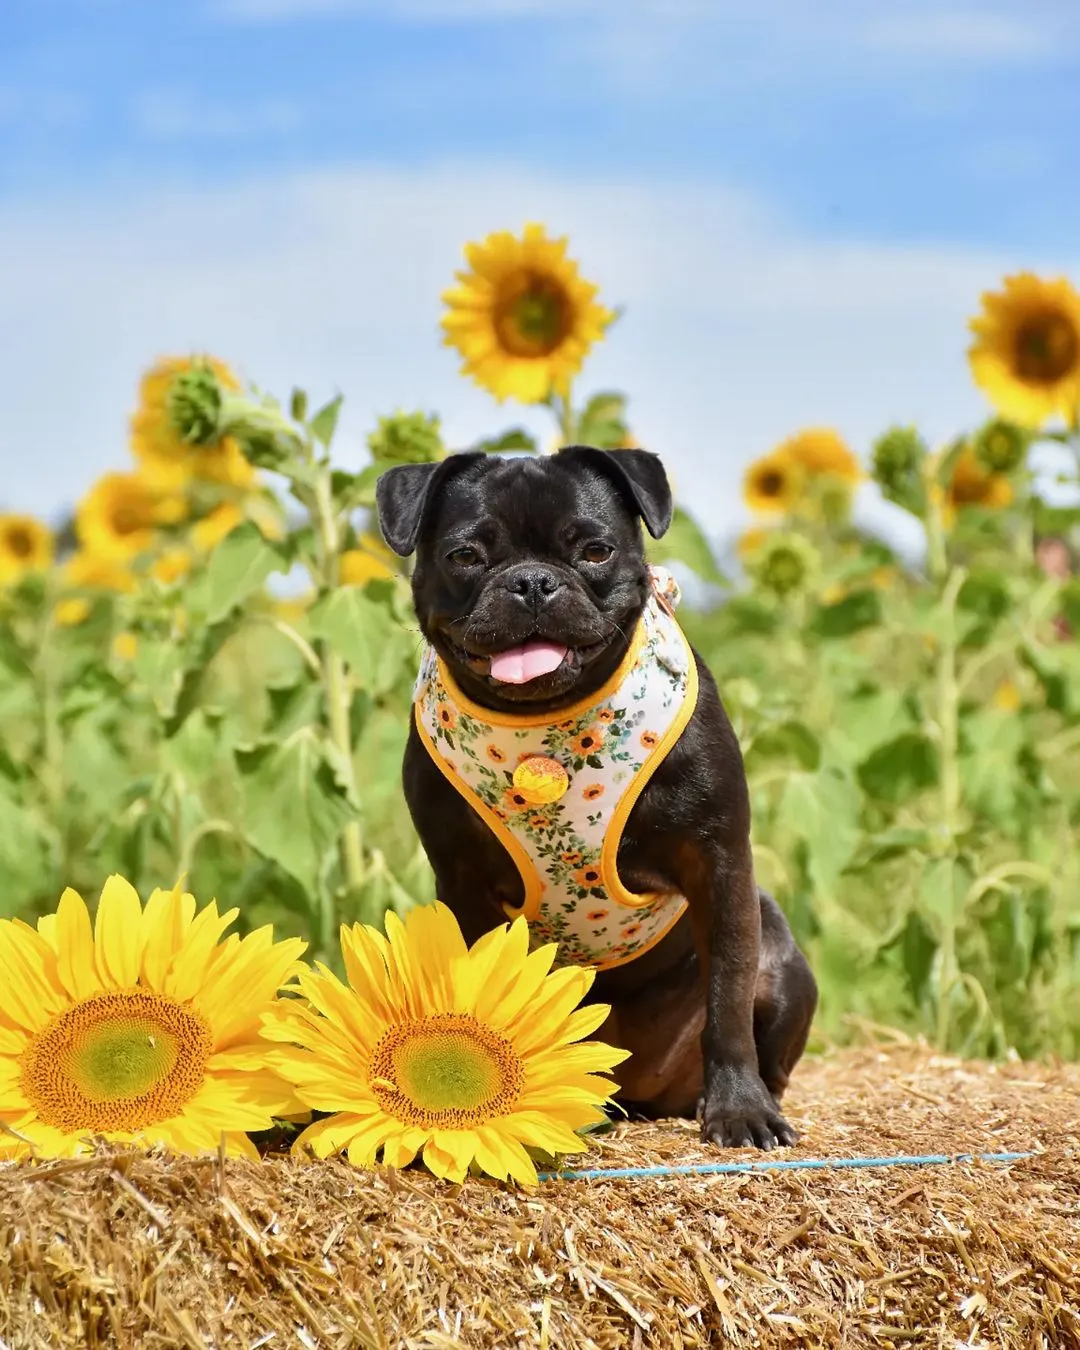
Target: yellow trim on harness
[
  {"x": 530, "y": 877},
  {"x": 613, "y": 834}
]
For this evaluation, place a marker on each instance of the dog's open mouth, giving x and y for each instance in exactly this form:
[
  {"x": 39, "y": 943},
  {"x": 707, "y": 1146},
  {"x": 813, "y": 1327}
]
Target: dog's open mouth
[{"x": 531, "y": 660}]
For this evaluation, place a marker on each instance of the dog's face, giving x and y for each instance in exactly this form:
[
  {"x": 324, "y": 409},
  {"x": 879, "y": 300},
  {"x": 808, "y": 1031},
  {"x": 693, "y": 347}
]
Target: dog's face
[{"x": 530, "y": 573}]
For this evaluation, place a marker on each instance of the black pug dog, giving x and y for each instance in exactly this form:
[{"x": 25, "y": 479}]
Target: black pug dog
[{"x": 549, "y": 551}]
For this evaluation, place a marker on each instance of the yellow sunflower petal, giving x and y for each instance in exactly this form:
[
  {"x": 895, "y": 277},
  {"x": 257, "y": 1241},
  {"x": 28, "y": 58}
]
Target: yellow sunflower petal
[
  {"x": 401, "y": 1148},
  {"x": 165, "y": 920},
  {"x": 118, "y": 933},
  {"x": 73, "y": 940},
  {"x": 30, "y": 1000},
  {"x": 189, "y": 964},
  {"x": 503, "y": 1156},
  {"x": 442, "y": 1162}
]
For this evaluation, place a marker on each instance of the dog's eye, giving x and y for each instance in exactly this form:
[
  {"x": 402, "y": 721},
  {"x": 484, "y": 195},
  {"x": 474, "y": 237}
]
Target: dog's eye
[
  {"x": 597, "y": 553},
  {"x": 464, "y": 556}
]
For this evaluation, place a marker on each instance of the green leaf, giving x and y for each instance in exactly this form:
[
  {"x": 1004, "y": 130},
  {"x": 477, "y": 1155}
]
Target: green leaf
[
  {"x": 941, "y": 892},
  {"x": 748, "y": 614},
  {"x": 860, "y": 609},
  {"x": 195, "y": 750},
  {"x": 238, "y": 567},
  {"x": 1046, "y": 666},
  {"x": 159, "y": 668},
  {"x": 293, "y": 805},
  {"x": 363, "y": 489},
  {"x": 902, "y": 767},
  {"x": 791, "y": 739},
  {"x": 28, "y": 853},
  {"x": 686, "y": 543},
  {"x": 918, "y": 947},
  {"x": 893, "y": 843},
  {"x": 324, "y": 423},
  {"x": 298, "y": 405},
  {"x": 603, "y": 421},
  {"x": 823, "y": 810},
  {"x": 867, "y": 717},
  {"x": 985, "y": 594},
  {"x": 517, "y": 438},
  {"x": 365, "y": 634},
  {"x": 178, "y": 701}
]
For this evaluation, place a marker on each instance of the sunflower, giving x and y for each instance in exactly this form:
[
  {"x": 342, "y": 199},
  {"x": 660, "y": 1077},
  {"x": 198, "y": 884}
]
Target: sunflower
[
  {"x": 143, "y": 1029},
  {"x": 464, "y": 1054},
  {"x": 523, "y": 318},
  {"x": 119, "y": 517},
  {"x": 163, "y": 455},
  {"x": 771, "y": 484},
  {"x": 973, "y": 485},
  {"x": 1026, "y": 353},
  {"x": 26, "y": 545},
  {"x": 821, "y": 452}
]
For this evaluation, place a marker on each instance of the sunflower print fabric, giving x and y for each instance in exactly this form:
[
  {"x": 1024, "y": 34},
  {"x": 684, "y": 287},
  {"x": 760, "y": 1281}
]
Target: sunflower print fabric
[{"x": 557, "y": 795}]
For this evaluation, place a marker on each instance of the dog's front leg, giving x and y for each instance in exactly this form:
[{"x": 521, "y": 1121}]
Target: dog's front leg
[{"x": 737, "y": 1108}]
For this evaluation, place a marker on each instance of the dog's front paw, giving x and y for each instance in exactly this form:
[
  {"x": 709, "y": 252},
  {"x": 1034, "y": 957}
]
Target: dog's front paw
[{"x": 738, "y": 1111}]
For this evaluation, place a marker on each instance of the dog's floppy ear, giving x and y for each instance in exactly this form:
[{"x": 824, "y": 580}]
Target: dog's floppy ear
[
  {"x": 640, "y": 474},
  {"x": 405, "y": 493}
]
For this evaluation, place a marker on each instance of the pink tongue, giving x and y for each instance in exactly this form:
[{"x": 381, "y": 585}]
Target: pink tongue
[{"x": 521, "y": 664}]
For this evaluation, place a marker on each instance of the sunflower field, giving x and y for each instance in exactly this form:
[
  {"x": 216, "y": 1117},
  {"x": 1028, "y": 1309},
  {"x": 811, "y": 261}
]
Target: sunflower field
[{"x": 206, "y": 672}]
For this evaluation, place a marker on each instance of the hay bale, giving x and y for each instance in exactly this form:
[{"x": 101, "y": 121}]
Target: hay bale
[{"x": 147, "y": 1252}]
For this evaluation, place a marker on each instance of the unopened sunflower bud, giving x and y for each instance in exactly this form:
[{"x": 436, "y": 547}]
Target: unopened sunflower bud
[
  {"x": 784, "y": 563},
  {"x": 204, "y": 412},
  {"x": 194, "y": 403},
  {"x": 897, "y": 460},
  {"x": 407, "y": 438},
  {"x": 897, "y": 454},
  {"x": 1001, "y": 446}
]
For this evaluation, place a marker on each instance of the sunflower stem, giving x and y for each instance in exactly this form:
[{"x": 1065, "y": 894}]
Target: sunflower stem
[
  {"x": 948, "y": 706},
  {"x": 52, "y": 778},
  {"x": 567, "y": 419},
  {"x": 338, "y": 695}
]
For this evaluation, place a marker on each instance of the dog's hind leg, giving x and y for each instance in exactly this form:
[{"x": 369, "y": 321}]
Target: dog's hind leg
[{"x": 785, "y": 999}]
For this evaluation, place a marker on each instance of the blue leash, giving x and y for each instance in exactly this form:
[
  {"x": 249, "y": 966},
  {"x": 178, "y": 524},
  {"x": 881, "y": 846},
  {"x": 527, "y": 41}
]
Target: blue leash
[{"x": 778, "y": 1165}]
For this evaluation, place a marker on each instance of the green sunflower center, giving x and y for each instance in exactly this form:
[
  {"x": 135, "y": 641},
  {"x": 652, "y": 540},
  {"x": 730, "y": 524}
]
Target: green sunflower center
[
  {"x": 533, "y": 315},
  {"x": 116, "y": 1062},
  {"x": 446, "y": 1070},
  {"x": 1047, "y": 348}
]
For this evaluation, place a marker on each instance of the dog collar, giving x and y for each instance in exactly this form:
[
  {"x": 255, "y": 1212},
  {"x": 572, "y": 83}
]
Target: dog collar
[{"x": 557, "y": 795}]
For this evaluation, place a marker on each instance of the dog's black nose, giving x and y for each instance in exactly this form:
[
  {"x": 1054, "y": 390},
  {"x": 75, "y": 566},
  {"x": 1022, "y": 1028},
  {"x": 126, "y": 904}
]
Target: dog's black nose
[{"x": 533, "y": 583}]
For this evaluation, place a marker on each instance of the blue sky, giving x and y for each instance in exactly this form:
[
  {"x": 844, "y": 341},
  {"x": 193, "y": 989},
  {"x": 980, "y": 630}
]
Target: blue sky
[{"x": 798, "y": 202}]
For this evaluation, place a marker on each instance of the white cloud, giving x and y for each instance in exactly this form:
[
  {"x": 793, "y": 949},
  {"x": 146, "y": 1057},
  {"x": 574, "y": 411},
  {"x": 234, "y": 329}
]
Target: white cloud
[{"x": 738, "y": 331}]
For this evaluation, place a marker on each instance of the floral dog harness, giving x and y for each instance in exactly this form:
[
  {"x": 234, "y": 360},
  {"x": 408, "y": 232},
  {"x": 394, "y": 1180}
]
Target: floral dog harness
[{"x": 558, "y": 795}]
